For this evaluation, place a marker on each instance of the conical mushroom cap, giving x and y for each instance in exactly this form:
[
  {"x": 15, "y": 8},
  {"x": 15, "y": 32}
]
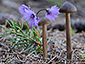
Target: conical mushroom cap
[
  {"x": 67, "y": 7},
  {"x": 44, "y": 21}
]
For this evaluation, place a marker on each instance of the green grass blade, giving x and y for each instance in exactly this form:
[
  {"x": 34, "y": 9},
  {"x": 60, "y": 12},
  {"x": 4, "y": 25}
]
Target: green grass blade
[
  {"x": 12, "y": 39},
  {"x": 20, "y": 29},
  {"x": 9, "y": 24},
  {"x": 15, "y": 24},
  {"x": 27, "y": 27},
  {"x": 21, "y": 23},
  {"x": 11, "y": 60}
]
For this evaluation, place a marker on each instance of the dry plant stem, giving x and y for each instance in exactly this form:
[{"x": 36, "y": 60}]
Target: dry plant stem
[
  {"x": 44, "y": 40},
  {"x": 68, "y": 36},
  {"x": 52, "y": 58}
]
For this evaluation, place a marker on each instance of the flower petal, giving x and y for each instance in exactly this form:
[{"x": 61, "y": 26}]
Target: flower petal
[
  {"x": 50, "y": 17},
  {"x": 54, "y": 11},
  {"x": 23, "y": 8},
  {"x": 33, "y": 22},
  {"x": 26, "y": 16}
]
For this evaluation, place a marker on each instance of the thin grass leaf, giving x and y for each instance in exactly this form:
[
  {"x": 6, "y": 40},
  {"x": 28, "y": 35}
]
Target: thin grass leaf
[
  {"x": 3, "y": 27},
  {"x": 6, "y": 29},
  {"x": 39, "y": 49},
  {"x": 30, "y": 49},
  {"x": 13, "y": 38},
  {"x": 35, "y": 33},
  {"x": 83, "y": 55},
  {"x": 18, "y": 34},
  {"x": 27, "y": 28},
  {"x": 20, "y": 40},
  {"x": 15, "y": 24},
  {"x": 13, "y": 43},
  {"x": 39, "y": 33},
  {"x": 27, "y": 47},
  {"x": 5, "y": 35},
  {"x": 29, "y": 34},
  {"x": 20, "y": 29},
  {"x": 48, "y": 40},
  {"x": 19, "y": 46},
  {"x": 23, "y": 42},
  {"x": 32, "y": 35},
  {"x": 11, "y": 60},
  {"x": 21, "y": 23},
  {"x": 39, "y": 40},
  {"x": 12, "y": 23},
  {"x": 9, "y": 24}
]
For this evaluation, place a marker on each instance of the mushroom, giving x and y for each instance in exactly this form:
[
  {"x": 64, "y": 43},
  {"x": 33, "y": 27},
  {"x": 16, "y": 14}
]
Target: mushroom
[
  {"x": 68, "y": 8},
  {"x": 43, "y": 22}
]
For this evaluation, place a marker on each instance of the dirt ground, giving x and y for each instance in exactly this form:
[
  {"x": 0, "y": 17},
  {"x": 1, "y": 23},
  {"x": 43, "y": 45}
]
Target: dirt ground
[{"x": 56, "y": 50}]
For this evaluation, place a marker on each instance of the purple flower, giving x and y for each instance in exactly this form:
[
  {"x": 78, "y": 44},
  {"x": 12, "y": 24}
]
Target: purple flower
[
  {"x": 52, "y": 13},
  {"x": 30, "y": 16},
  {"x": 23, "y": 9}
]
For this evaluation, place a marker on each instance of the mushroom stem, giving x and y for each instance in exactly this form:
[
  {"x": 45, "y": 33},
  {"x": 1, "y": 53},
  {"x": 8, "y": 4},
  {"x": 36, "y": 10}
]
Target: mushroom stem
[
  {"x": 44, "y": 40},
  {"x": 43, "y": 22},
  {"x": 68, "y": 36}
]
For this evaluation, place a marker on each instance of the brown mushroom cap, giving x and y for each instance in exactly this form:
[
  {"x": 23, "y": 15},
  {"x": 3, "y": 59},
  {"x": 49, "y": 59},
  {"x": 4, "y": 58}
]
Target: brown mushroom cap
[
  {"x": 44, "y": 21},
  {"x": 67, "y": 7}
]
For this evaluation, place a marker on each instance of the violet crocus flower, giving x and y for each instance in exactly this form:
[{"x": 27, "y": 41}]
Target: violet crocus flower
[
  {"x": 52, "y": 13},
  {"x": 23, "y": 9}
]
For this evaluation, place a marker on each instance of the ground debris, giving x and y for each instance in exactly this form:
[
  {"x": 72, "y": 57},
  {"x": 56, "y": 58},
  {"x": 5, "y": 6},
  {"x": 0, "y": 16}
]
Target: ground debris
[{"x": 56, "y": 50}]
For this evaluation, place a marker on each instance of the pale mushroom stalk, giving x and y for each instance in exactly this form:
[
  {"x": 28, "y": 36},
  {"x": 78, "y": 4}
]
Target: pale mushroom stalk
[
  {"x": 68, "y": 8},
  {"x": 44, "y": 40},
  {"x": 68, "y": 36},
  {"x": 43, "y": 22}
]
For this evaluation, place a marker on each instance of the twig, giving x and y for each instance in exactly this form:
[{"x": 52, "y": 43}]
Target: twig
[
  {"x": 52, "y": 58},
  {"x": 4, "y": 45},
  {"x": 1, "y": 43},
  {"x": 29, "y": 55},
  {"x": 79, "y": 61}
]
